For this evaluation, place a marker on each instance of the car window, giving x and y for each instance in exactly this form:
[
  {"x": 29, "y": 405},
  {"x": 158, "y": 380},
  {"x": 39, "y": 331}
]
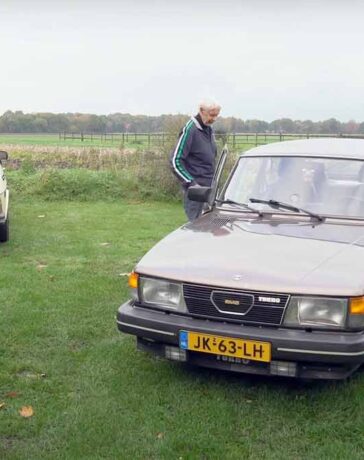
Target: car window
[
  {"x": 322, "y": 185},
  {"x": 345, "y": 170}
]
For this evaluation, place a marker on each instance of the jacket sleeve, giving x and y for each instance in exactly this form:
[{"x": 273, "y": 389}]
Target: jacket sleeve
[{"x": 180, "y": 154}]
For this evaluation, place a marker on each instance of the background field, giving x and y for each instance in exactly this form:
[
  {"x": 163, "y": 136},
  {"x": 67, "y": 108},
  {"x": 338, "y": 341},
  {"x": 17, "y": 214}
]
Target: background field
[
  {"x": 75, "y": 234},
  {"x": 55, "y": 140},
  {"x": 139, "y": 141}
]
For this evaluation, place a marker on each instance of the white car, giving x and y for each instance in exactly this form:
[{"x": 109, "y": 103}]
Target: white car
[{"x": 4, "y": 201}]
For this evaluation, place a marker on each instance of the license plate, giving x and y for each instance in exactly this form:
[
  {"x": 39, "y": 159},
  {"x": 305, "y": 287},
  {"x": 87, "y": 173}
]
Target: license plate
[{"x": 225, "y": 346}]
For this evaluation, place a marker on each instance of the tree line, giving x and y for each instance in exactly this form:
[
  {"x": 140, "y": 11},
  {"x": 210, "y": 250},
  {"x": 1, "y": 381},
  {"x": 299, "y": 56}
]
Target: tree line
[{"x": 19, "y": 122}]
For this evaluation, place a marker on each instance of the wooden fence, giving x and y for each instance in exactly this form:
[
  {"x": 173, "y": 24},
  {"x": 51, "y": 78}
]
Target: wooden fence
[
  {"x": 148, "y": 139},
  {"x": 235, "y": 141}
]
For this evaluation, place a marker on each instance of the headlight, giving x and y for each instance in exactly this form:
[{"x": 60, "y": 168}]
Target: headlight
[
  {"x": 316, "y": 312},
  {"x": 162, "y": 294}
]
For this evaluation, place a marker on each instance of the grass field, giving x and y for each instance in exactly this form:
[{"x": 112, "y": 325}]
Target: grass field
[
  {"x": 139, "y": 141},
  {"x": 48, "y": 140},
  {"x": 94, "y": 396},
  {"x": 62, "y": 278},
  {"x": 55, "y": 141}
]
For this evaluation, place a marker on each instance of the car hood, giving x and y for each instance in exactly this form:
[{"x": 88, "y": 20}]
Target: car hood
[{"x": 273, "y": 254}]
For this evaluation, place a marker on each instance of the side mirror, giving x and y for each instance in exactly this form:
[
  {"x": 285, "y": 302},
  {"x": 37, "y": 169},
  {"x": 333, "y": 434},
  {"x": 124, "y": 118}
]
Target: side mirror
[
  {"x": 199, "y": 193},
  {"x": 3, "y": 155}
]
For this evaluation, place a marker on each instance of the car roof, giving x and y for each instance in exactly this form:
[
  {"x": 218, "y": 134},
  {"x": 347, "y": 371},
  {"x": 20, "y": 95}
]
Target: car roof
[{"x": 317, "y": 147}]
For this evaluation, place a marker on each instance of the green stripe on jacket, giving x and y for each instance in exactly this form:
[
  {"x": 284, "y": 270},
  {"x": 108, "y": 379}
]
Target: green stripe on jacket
[{"x": 179, "y": 166}]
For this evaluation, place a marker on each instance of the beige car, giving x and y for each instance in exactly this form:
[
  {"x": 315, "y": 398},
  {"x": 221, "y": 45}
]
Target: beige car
[{"x": 270, "y": 280}]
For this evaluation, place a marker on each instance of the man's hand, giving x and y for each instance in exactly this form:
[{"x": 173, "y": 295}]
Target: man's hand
[{"x": 187, "y": 185}]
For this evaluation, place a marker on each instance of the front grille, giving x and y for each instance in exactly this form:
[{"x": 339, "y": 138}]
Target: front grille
[{"x": 246, "y": 307}]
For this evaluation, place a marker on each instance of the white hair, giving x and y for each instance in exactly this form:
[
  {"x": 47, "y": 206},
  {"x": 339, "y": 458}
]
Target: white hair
[{"x": 209, "y": 104}]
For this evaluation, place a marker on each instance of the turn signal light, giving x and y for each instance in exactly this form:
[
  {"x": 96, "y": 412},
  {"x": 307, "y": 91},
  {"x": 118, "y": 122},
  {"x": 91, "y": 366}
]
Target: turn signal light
[
  {"x": 133, "y": 280},
  {"x": 357, "y": 305}
]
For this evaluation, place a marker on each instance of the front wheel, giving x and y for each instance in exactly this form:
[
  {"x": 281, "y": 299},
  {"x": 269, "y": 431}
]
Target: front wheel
[{"x": 4, "y": 231}]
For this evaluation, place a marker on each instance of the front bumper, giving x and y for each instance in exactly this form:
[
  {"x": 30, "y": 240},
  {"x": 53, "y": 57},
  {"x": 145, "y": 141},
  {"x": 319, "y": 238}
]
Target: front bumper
[{"x": 325, "y": 355}]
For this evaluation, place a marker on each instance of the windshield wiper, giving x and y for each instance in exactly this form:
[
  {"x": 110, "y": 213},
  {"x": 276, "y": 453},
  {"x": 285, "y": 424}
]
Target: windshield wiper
[
  {"x": 241, "y": 205},
  {"x": 279, "y": 204}
]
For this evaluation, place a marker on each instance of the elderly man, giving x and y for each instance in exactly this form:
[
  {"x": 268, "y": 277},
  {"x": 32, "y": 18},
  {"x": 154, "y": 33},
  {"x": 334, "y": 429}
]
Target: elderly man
[{"x": 193, "y": 158}]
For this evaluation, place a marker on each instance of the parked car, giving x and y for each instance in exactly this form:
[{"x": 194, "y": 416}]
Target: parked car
[
  {"x": 270, "y": 279},
  {"x": 4, "y": 201}
]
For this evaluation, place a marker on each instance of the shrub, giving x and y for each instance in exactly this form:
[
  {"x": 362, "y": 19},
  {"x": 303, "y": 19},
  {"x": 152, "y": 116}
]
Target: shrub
[
  {"x": 95, "y": 173},
  {"x": 84, "y": 185}
]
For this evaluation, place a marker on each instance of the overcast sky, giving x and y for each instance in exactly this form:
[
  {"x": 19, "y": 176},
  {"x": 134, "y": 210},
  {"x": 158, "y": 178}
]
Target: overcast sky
[{"x": 262, "y": 59}]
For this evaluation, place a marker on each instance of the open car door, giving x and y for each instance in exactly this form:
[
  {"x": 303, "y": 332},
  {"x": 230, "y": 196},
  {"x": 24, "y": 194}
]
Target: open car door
[{"x": 215, "y": 186}]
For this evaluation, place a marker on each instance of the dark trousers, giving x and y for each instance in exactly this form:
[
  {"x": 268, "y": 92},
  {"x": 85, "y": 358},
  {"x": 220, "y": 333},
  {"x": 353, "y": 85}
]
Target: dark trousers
[{"x": 193, "y": 209}]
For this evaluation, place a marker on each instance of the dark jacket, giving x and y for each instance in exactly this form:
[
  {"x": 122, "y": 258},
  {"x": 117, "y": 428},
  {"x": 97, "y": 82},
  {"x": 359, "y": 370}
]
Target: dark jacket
[{"x": 193, "y": 158}]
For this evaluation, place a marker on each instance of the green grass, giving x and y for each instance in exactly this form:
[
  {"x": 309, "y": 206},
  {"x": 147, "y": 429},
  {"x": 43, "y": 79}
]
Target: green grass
[
  {"x": 30, "y": 139},
  {"x": 95, "y": 396},
  {"x": 54, "y": 140},
  {"x": 42, "y": 139},
  {"x": 138, "y": 142}
]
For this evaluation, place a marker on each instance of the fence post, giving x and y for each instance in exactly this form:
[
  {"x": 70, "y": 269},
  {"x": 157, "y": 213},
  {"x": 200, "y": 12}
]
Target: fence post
[
  {"x": 233, "y": 141},
  {"x": 256, "y": 139},
  {"x": 148, "y": 140}
]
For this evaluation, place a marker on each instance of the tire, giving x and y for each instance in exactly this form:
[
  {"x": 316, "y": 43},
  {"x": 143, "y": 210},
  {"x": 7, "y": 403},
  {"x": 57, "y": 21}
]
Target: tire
[{"x": 4, "y": 231}]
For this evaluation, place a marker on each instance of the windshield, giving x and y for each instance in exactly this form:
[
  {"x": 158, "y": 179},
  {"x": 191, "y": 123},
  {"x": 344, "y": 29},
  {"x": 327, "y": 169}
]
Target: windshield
[{"x": 322, "y": 185}]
